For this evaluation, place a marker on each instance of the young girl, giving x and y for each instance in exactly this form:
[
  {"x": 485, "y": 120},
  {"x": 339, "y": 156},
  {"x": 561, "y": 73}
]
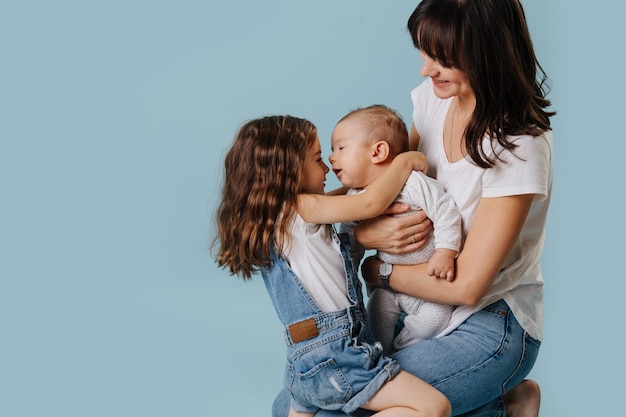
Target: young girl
[{"x": 274, "y": 218}]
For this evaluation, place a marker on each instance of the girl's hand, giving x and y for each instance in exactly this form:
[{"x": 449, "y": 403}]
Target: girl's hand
[
  {"x": 416, "y": 159},
  {"x": 396, "y": 235}
]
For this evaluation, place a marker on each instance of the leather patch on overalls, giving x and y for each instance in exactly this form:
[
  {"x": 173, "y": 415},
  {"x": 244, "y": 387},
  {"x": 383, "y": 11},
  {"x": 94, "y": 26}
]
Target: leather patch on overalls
[{"x": 303, "y": 330}]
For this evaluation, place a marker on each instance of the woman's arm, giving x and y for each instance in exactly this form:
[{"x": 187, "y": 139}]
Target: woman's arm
[
  {"x": 324, "y": 209},
  {"x": 414, "y": 138},
  {"x": 494, "y": 230}
]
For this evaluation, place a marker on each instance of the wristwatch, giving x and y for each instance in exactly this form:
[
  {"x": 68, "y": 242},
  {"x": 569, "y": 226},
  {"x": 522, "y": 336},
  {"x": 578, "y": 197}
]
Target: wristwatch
[{"x": 383, "y": 273}]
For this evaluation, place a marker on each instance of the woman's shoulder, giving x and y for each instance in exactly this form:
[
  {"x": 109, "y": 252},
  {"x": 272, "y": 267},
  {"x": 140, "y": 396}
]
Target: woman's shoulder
[
  {"x": 527, "y": 146},
  {"x": 526, "y": 169}
]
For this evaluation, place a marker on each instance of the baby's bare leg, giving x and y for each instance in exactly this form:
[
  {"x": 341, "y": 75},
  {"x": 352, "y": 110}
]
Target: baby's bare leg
[{"x": 523, "y": 400}]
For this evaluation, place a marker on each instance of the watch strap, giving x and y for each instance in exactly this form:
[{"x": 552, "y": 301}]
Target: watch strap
[{"x": 384, "y": 280}]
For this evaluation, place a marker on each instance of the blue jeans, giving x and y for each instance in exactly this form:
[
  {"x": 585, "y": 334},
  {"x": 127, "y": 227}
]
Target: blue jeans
[{"x": 473, "y": 366}]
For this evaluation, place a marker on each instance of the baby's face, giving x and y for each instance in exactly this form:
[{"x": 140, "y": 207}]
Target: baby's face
[{"x": 351, "y": 154}]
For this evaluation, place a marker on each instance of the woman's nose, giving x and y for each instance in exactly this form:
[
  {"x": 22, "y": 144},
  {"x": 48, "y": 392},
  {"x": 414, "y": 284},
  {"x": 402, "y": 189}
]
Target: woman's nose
[{"x": 429, "y": 67}]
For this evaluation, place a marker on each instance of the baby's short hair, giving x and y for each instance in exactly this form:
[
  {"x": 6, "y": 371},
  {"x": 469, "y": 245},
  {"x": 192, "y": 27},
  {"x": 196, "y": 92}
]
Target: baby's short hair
[{"x": 383, "y": 123}]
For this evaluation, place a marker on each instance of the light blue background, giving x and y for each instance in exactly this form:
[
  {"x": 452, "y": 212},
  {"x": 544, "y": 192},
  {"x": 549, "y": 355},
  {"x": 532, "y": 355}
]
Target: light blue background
[{"x": 114, "y": 119}]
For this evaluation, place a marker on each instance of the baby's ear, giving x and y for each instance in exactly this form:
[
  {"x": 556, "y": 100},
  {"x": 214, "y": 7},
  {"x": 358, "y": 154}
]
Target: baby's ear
[{"x": 380, "y": 152}]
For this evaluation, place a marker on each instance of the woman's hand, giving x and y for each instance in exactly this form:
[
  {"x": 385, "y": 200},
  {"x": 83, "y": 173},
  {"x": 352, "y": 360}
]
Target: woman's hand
[{"x": 395, "y": 234}]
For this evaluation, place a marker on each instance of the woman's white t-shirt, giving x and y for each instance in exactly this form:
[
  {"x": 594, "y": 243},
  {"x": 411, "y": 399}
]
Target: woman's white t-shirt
[{"x": 528, "y": 170}]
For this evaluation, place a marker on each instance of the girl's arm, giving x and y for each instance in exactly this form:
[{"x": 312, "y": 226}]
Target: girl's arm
[
  {"x": 494, "y": 230},
  {"x": 338, "y": 191},
  {"x": 324, "y": 209}
]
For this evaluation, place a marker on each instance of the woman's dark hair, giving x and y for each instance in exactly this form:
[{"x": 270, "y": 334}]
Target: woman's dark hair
[{"x": 490, "y": 42}]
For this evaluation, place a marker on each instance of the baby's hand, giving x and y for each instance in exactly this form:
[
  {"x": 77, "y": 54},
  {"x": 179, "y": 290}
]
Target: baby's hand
[{"x": 441, "y": 264}]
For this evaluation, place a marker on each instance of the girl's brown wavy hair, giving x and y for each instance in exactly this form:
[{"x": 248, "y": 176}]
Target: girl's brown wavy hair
[
  {"x": 489, "y": 40},
  {"x": 262, "y": 179}
]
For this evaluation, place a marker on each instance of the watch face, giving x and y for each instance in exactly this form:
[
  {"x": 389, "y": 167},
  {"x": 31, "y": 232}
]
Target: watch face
[{"x": 384, "y": 270}]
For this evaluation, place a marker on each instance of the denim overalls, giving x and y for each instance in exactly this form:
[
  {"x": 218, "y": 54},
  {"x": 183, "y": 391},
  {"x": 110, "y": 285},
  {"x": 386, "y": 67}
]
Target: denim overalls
[{"x": 333, "y": 362}]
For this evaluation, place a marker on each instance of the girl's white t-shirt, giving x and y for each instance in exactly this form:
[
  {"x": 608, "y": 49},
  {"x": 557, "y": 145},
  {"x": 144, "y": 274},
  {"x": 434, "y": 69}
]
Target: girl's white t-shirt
[
  {"x": 315, "y": 257},
  {"x": 528, "y": 170}
]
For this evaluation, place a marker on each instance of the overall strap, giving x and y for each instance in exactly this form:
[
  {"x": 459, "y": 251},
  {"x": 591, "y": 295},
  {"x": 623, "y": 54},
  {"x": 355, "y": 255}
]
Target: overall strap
[
  {"x": 353, "y": 284},
  {"x": 291, "y": 300}
]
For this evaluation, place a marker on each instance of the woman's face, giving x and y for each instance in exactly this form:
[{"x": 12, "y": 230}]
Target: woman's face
[{"x": 447, "y": 82}]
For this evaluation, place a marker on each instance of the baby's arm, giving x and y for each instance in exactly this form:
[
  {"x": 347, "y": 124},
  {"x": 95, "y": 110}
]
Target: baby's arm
[
  {"x": 427, "y": 193},
  {"x": 441, "y": 264},
  {"x": 326, "y": 209}
]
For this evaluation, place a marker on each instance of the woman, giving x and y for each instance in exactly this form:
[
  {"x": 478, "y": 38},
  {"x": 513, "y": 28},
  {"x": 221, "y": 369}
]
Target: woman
[{"x": 481, "y": 120}]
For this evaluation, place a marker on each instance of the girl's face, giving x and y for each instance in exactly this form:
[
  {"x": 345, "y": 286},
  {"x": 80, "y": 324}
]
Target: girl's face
[
  {"x": 447, "y": 82},
  {"x": 315, "y": 170}
]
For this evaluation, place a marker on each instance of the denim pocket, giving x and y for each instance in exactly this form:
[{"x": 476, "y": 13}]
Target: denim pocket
[
  {"x": 529, "y": 339},
  {"x": 499, "y": 308},
  {"x": 325, "y": 385}
]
